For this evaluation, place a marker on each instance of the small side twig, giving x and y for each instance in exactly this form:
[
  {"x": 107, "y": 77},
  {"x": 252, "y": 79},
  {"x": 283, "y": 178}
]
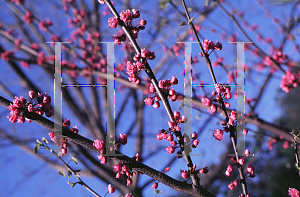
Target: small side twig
[
  {"x": 80, "y": 181},
  {"x": 296, "y": 136}
]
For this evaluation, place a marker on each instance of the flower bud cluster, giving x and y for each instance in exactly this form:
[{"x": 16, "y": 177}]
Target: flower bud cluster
[
  {"x": 133, "y": 69},
  {"x": 21, "y": 106},
  {"x": 127, "y": 17},
  {"x": 123, "y": 169},
  {"x": 164, "y": 85},
  {"x": 210, "y": 45}
]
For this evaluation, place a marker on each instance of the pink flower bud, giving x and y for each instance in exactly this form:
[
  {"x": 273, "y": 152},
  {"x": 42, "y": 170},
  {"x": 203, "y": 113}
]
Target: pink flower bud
[
  {"x": 247, "y": 152},
  {"x": 170, "y": 149},
  {"x": 184, "y": 119},
  {"x": 30, "y": 108},
  {"x": 227, "y": 173},
  {"x": 176, "y": 114},
  {"x": 196, "y": 142},
  {"x": 194, "y": 135},
  {"x": 185, "y": 174},
  {"x": 241, "y": 161},
  {"x": 32, "y": 94},
  {"x": 123, "y": 139},
  {"x": 155, "y": 185},
  {"x": 171, "y": 124},
  {"x": 174, "y": 80},
  {"x": 156, "y": 105},
  {"x": 143, "y": 22},
  {"x": 231, "y": 186},
  {"x": 110, "y": 189},
  {"x": 129, "y": 182}
]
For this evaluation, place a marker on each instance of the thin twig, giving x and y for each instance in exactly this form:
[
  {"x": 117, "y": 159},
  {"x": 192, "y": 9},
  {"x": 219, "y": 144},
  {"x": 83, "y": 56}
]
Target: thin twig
[
  {"x": 232, "y": 134},
  {"x": 81, "y": 182}
]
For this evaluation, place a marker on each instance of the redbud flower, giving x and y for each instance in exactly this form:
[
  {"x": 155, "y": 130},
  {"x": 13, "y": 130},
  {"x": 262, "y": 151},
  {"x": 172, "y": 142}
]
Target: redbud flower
[
  {"x": 172, "y": 92},
  {"x": 184, "y": 174},
  {"x": 167, "y": 169},
  {"x": 30, "y": 108},
  {"x": 235, "y": 182},
  {"x": 228, "y": 173},
  {"x": 74, "y": 129},
  {"x": 286, "y": 145},
  {"x": 159, "y": 136},
  {"x": 21, "y": 119},
  {"x": 128, "y": 195},
  {"x": 171, "y": 124},
  {"x": 32, "y": 94},
  {"x": 66, "y": 123},
  {"x": 218, "y": 46},
  {"x": 143, "y": 22},
  {"x": 151, "y": 89},
  {"x": 173, "y": 143},
  {"x": 231, "y": 186},
  {"x": 149, "y": 101},
  {"x": 176, "y": 114},
  {"x": 8, "y": 55},
  {"x": 129, "y": 182},
  {"x": 218, "y": 134},
  {"x": 39, "y": 111},
  {"x": 137, "y": 157},
  {"x": 173, "y": 98},
  {"x": 194, "y": 135},
  {"x": 229, "y": 168},
  {"x": 126, "y": 16},
  {"x": 113, "y": 22},
  {"x": 293, "y": 192},
  {"x": 204, "y": 170},
  {"x": 103, "y": 159},
  {"x": 47, "y": 98},
  {"x": 155, "y": 185},
  {"x": 117, "y": 167},
  {"x": 213, "y": 108},
  {"x": 177, "y": 128},
  {"x": 174, "y": 80},
  {"x": 45, "y": 24},
  {"x": 169, "y": 138},
  {"x": 196, "y": 142},
  {"x": 245, "y": 131},
  {"x": 110, "y": 189},
  {"x": 206, "y": 102},
  {"x": 136, "y": 57},
  {"x": 101, "y": 2},
  {"x": 123, "y": 139},
  {"x": 118, "y": 175},
  {"x": 241, "y": 161},
  {"x": 156, "y": 105},
  {"x": 135, "y": 13},
  {"x": 247, "y": 152},
  {"x": 184, "y": 119},
  {"x": 170, "y": 149},
  {"x": 99, "y": 144},
  {"x": 250, "y": 169},
  {"x": 63, "y": 151}
]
